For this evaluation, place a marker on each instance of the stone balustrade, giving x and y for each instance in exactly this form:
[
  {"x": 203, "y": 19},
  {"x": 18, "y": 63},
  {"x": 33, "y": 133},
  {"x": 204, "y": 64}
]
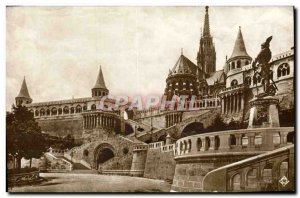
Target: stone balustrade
[
  {"x": 167, "y": 148},
  {"x": 140, "y": 147},
  {"x": 238, "y": 141},
  {"x": 155, "y": 145}
]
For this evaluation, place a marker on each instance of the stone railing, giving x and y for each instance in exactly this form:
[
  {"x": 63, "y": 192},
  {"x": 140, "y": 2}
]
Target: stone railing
[
  {"x": 155, "y": 145},
  {"x": 270, "y": 171},
  {"x": 238, "y": 141},
  {"x": 140, "y": 147},
  {"x": 167, "y": 148},
  {"x": 233, "y": 88},
  {"x": 58, "y": 163},
  {"x": 23, "y": 178}
]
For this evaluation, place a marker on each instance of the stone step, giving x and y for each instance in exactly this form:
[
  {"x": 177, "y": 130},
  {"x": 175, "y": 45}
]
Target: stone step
[
  {"x": 84, "y": 171},
  {"x": 78, "y": 166}
]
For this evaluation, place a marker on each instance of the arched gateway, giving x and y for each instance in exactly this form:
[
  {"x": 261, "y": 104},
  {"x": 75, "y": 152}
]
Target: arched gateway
[{"x": 103, "y": 153}]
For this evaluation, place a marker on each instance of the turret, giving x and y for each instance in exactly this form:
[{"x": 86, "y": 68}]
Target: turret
[
  {"x": 23, "y": 96},
  {"x": 239, "y": 56},
  {"x": 100, "y": 89}
]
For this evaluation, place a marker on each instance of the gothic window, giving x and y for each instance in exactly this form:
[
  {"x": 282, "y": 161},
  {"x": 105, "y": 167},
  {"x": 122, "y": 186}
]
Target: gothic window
[
  {"x": 84, "y": 108},
  {"x": 48, "y": 112},
  {"x": 236, "y": 182},
  {"x": 72, "y": 110},
  {"x": 36, "y": 113},
  {"x": 66, "y": 110},
  {"x": 78, "y": 109},
  {"x": 283, "y": 169},
  {"x": 256, "y": 78},
  {"x": 238, "y": 65},
  {"x": 283, "y": 70},
  {"x": 54, "y": 111},
  {"x": 251, "y": 178},
  {"x": 233, "y": 65},
  {"x": 248, "y": 80},
  {"x": 234, "y": 83},
  {"x": 42, "y": 112},
  {"x": 59, "y": 111},
  {"x": 93, "y": 107}
]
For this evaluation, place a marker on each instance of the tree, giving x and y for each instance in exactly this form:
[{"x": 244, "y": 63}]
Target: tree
[{"x": 24, "y": 137}]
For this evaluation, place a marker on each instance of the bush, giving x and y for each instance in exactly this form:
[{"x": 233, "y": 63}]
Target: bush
[{"x": 22, "y": 170}]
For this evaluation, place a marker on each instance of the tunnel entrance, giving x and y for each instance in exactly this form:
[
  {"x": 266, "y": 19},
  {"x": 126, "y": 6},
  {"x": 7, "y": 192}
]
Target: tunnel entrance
[{"x": 192, "y": 129}]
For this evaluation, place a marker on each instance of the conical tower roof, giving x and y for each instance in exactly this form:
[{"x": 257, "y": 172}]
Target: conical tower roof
[
  {"x": 184, "y": 66},
  {"x": 100, "y": 83},
  {"x": 239, "y": 46},
  {"x": 24, "y": 90}
]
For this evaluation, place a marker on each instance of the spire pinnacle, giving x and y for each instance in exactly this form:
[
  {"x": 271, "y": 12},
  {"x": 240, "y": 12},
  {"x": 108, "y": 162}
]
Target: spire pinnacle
[
  {"x": 100, "y": 83},
  {"x": 181, "y": 51},
  {"x": 24, "y": 90},
  {"x": 239, "y": 46},
  {"x": 206, "y": 29}
]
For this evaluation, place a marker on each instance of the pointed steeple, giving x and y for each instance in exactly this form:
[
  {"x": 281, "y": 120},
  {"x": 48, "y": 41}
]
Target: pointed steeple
[
  {"x": 24, "y": 90},
  {"x": 23, "y": 96},
  {"x": 100, "y": 89},
  {"x": 239, "y": 46},
  {"x": 100, "y": 83},
  {"x": 206, "y": 29}
]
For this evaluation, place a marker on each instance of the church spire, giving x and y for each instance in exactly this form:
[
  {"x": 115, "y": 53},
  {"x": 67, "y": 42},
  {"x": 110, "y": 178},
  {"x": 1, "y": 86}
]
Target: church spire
[
  {"x": 100, "y": 88},
  {"x": 23, "y": 96},
  {"x": 206, "y": 56},
  {"x": 206, "y": 29}
]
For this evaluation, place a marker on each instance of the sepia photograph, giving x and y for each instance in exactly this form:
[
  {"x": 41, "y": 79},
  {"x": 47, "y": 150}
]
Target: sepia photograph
[{"x": 150, "y": 99}]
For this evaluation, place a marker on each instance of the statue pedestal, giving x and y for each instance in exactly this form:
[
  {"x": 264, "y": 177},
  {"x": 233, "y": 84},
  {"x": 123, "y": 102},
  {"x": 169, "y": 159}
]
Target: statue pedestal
[{"x": 264, "y": 112}]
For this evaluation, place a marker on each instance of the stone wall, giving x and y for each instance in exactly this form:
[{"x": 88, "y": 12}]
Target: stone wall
[
  {"x": 159, "y": 165},
  {"x": 62, "y": 126}
]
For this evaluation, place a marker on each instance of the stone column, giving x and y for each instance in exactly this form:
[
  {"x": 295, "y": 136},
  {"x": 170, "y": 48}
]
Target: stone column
[
  {"x": 204, "y": 144},
  {"x": 212, "y": 143},
  {"x": 251, "y": 137},
  {"x": 229, "y": 104},
  {"x": 283, "y": 137},
  {"x": 238, "y": 139},
  {"x": 223, "y": 106},
  {"x": 224, "y": 142}
]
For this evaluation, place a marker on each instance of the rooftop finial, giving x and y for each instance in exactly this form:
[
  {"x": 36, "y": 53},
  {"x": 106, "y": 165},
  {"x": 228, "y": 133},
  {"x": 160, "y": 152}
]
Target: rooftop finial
[
  {"x": 239, "y": 27},
  {"x": 181, "y": 51},
  {"x": 206, "y": 8}
]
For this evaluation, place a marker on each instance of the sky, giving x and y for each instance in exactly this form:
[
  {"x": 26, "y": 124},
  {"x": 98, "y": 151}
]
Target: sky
[{"x": 60, "y": 49}]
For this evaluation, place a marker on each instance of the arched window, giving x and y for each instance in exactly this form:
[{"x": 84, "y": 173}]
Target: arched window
[
  {"x": 72, "y": 110},
  {"x": 256, "y": 78},
  {"x": 251, "y": 178},
  {"x": 78, "y": 109},
  {"x": 54, "y": 111},
  {"x": 93, "y": 107},
  {"x": 247, "y": 62},
  {"x": 84, "y": 107},
  {"x": 238, "y": 65},
  {"x": 66, "y": 110},
  {"x": 36, "y": 113},
  {"x": 48, "y": 112},
  {"x": 236, "y": 182},
  {"x": 234, "y": 83},
  {"x": 248, "y": 80},
  {"x": 233, "y": 65},
  {"x": 283, "y": 70},
  {"x": 59, "y": 111},
  {"x": 42, "y": 112}
]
